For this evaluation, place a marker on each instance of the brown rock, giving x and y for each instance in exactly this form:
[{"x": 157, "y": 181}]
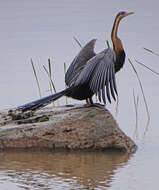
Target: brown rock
[{"x": 58, "y": 128}]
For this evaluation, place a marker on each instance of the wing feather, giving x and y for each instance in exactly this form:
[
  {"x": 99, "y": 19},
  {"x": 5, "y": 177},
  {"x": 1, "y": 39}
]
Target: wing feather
[
  {"x": 79, "y": 62},
  {"x": 99, "y": 73},
  {"x": 102, "y": 76},
  {"x": 95, "y": 80},
  {"x": 103, "y": 95},
  {"x": 114, "y": 82},
  {"x": 98, "y": 79},
  {"x": 107, "y": 84},
  {"x": 99, "y": 95},
  {"x": 103, "y": 86},
  {"x": 111, "y": 85}
]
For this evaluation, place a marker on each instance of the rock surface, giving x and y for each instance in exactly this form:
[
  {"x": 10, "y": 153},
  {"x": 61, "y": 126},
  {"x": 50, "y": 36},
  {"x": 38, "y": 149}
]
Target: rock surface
[{"x": 63, "y": 128}]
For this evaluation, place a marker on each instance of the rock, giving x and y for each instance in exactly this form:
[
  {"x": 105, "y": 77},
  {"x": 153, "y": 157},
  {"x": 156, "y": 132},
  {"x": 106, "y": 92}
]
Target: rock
[{"x": 63, "y": 128}]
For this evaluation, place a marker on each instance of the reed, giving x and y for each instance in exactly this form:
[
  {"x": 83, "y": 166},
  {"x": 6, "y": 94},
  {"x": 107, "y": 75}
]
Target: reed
[
  {"x": 153, "y": 71},
  {"x": 144, "y": 98},
  {"x": 49, "y": 74},
  {"x": 107, "y": 43},
  {"x": 35, "y": 74},
  {"x": 150, "y": 51},
  {"x": 136, "y": 103},
  {"x": 64, "y": 65},
  {"x": 77, "y": 41}
]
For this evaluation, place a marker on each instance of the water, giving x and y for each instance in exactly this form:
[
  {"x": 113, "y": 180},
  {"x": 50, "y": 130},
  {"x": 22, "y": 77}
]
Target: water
[
  {"x": 60, "y": 170},
  {"x": 45, "y": 29}
]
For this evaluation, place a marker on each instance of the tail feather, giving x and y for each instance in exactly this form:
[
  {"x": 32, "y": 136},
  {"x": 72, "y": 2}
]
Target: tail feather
[{"x": 43, "y": 101}]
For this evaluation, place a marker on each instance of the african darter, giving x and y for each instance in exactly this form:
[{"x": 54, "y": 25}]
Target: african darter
[{"x": 90, "y": 73}]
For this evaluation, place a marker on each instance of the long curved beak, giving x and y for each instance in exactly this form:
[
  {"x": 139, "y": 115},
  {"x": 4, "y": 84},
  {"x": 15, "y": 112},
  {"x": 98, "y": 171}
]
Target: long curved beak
[{"x": 130, "y": 13}]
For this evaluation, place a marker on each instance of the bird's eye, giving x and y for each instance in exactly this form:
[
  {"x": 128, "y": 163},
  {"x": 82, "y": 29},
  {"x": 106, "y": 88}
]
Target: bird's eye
[{"x": 122, "y": 13}]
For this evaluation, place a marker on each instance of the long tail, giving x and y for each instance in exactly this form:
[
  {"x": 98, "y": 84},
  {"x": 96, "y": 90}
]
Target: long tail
[{"x": 44, "y": 101}]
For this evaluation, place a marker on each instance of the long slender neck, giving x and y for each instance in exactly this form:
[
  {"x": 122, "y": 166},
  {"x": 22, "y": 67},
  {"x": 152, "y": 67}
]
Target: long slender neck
[{"x": 117, "y": 44}]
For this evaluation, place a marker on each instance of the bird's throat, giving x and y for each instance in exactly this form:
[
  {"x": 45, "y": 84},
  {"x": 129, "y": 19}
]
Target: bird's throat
[{"x": 117, "y": 44}]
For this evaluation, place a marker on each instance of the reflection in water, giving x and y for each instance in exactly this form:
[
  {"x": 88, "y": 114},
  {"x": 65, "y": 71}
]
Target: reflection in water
[{"x": 45, "y": 170}]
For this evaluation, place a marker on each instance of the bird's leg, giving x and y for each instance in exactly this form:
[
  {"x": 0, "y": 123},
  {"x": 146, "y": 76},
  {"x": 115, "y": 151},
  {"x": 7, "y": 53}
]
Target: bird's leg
[{"x": 89, "y": 102}]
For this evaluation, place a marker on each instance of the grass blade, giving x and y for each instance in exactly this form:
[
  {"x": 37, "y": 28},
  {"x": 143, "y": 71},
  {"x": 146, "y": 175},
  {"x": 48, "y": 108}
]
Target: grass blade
[
  {"x": 150, "y": 51},
  {"x": 64, "y": 65},
  {"x": 51, "y": 81},
  {"x": 78, "y": 42},
  {"x": 65, "y": 85},
  {"x": 136, "y": 103},
  {"x": 147, "y": 67},
  {"x": 117, "y": 106},
  {"x": 49, "y": 66},
  {"x": 144, "y": 98},
  {"x": 49, "y": 71},
  {"x": 107, "y": 43},
  {"x": 37, "y": 81}
]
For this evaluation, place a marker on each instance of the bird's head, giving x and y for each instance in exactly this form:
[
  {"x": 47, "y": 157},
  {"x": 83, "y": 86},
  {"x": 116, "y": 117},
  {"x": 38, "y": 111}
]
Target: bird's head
[{"x": 123, "y": 14}]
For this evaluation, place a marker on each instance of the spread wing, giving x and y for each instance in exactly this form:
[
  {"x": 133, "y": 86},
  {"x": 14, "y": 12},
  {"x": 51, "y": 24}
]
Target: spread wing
[
  {"x": 77, "y": 65},
  {"x": 99, "y": 74}
]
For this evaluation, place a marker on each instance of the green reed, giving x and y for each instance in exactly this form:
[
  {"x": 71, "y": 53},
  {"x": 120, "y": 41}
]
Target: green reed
[
  {"x": 136, "y": 103},
  {"x": 77, "y": 41},
  {"x": 153, "y": 71},
  {"x": 142, "y": 91},
  {"x": 150, "y": 51},
  {"x": 35, "y": 74},
  {"x": 107, "y": 43},
  {"x": 64, "y": 65},
  {"x": 49, "y": 74}
]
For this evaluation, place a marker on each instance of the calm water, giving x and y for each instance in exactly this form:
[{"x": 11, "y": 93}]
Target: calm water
[{"x": 45, "y": 29}]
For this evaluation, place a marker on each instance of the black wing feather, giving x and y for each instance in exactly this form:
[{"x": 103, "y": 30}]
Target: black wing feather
[
  {"x": 103, "y": 89},
  {"x": 111, "y": 85},
  {"x": 103, "y": 95},
  {"x": 99, "y": 78},
  {"x": 98, "y": 73},
  {"x": 102, "y": 83},
  {"x": 114, "y": 82},
  {"x": 99, "y": 95},
  {"x": 107, "y": 84},
  {"x": 79, "y": 62}
]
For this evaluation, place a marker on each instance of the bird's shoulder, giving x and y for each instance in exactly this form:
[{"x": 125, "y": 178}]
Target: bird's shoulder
[{"x": 107, "y": 54}]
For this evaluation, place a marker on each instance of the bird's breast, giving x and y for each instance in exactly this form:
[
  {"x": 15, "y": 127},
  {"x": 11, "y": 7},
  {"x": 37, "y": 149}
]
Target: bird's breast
[{"x": 120, "y": 59}]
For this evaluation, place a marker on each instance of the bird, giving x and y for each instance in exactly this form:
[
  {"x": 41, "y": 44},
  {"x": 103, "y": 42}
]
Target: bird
[{"x": 90, "y": 73}]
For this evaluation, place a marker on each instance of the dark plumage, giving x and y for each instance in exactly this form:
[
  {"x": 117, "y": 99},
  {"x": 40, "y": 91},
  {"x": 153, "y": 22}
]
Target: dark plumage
[{"x": 91, "y": 73}]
